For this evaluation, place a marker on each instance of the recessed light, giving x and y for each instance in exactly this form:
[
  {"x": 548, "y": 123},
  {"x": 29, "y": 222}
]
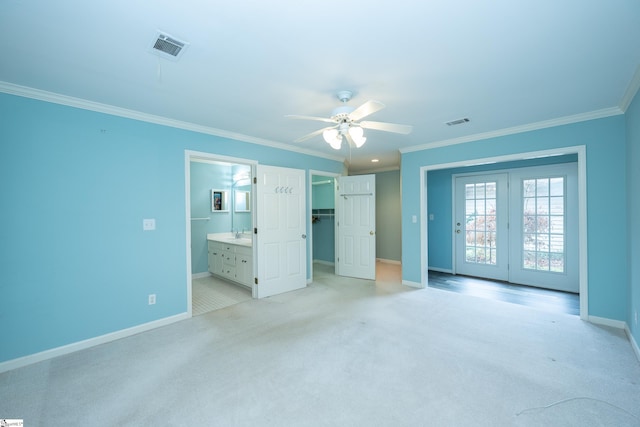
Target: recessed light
[{"x": 374, "y": 160}]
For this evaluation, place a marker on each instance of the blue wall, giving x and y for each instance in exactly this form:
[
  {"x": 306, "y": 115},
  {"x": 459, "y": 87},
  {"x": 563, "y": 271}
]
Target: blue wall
[
  {"x": 606, "y": 200},
  {"x": 439, "y": 201},
  {"x": 204, "y": 178},
  {"x": 76, "y": 186},
  {"x": 633, "y": 194}
]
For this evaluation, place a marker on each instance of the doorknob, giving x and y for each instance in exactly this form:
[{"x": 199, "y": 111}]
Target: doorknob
[
  {"x": 304, "y": 236},
  {"x": 458, "y": 231},
  {"x": 372, "y": 232}
]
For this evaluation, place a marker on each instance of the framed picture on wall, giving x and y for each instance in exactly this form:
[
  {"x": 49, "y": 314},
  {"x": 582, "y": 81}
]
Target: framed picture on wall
[{"x": 219, "y": 201}]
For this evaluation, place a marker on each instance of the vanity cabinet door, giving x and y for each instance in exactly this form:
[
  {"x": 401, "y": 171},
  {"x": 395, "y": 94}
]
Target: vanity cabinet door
[
  {"x": 215, "y": 258},
  {"x": 244, "y": 269}
]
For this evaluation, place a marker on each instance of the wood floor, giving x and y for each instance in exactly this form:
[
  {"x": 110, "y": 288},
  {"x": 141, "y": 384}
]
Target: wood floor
[{"x": 544, "y": 299}]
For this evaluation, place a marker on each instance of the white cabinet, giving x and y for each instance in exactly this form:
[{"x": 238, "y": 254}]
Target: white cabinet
[
  {"x": 232, "y": 262},
  {"x": 215, "y": 257}
]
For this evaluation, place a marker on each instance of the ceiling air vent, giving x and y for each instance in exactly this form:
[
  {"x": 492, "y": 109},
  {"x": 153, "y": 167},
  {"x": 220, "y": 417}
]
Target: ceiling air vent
[
  {"x": 167, "y": 46},
  {"x": 457, "y": 122}
]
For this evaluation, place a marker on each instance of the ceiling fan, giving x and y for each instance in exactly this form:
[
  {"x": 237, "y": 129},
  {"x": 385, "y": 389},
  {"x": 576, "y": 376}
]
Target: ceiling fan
[{"x": 346, "y": 123}]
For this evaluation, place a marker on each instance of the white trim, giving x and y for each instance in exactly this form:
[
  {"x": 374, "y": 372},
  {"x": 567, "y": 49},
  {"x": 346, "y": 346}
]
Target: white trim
[
  {"x": 412, "y": 284},
  {"x": 441, "y": 270},
  {"x": 374, "y": 171},
  {"x": 607, "y": 112},
  {"x": 200, "y": 275},
  {"x": 631, "y": 91},
  {"x": 582, "y": 210},
  {"x": 88, "y": 343},
  {"x": 388, "y": 261},
  {"x": 323, "y": 262},
  {"x": 618, "y": 324},
  {"x": 70, "y": 101},
  {"x": 634, "y": 344}
]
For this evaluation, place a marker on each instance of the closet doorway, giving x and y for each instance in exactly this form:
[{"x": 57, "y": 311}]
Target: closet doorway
[{"x": 322, "y": 200}]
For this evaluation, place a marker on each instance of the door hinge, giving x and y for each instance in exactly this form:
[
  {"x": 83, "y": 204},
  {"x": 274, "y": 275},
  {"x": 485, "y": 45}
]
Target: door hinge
[
  {"x": 255, "y": 179},
  {"x": 255, "y": 230},
  {"x": 255, "y": 280}
]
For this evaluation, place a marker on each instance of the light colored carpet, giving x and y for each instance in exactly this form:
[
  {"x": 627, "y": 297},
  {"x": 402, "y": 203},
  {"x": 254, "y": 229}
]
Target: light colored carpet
[
  {"x": 343, "y": 352},
  {"x": 210, "y": 293}
]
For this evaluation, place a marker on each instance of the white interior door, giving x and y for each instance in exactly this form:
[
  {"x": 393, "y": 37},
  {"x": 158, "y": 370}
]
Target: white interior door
[
  {"x": 282, "y": 231},
  {"x": 481, "y": 226},
  {"x": 356, "y": 226}
]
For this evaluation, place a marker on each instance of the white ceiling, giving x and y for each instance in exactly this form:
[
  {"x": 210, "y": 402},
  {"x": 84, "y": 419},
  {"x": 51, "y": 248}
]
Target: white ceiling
[{"x": 501, "y": 63}]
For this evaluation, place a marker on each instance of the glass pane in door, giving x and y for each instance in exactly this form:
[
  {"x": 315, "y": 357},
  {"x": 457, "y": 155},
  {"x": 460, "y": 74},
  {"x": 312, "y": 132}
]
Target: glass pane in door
[
  {"x": 480, "y": 223},
  {"x": 543, "y": 238}
]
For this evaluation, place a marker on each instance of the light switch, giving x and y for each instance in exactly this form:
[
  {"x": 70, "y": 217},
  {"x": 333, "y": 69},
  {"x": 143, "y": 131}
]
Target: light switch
[{"x": 149, "y": 224}]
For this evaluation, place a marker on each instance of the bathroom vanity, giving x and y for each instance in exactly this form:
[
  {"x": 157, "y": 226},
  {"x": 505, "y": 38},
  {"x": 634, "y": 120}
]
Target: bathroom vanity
[{"x": 231, "y": 258}]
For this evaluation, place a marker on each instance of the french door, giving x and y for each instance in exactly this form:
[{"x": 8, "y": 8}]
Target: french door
[
  {"x": 519, "y": 226},
  {"x": 481, "y": 221},
  {"x": 544, "y": 216}
]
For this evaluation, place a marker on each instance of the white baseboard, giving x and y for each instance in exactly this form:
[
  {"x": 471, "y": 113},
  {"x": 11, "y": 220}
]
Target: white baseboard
[
  {"x": 619, "y": 324},
  {"x": 634, "y": 344},
  {"x": 412, "y": 284},
  {"x": 91, "y": 342},
  {"x": 200, "y": 275},
  {"x": 441, "y": 270},
  {"x": 320, "y": 261},
  {"x": 389, "y": 261}
]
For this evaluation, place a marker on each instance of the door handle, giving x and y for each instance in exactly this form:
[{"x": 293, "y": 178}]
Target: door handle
[
  {"x": 458, "y": 231},
  {"x": 372, "y": 233},
  {"x": 304, "y": 236}
]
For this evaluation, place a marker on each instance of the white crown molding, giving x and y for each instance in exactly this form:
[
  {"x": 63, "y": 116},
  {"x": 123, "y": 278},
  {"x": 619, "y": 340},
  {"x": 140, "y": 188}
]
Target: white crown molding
[
  {"x": 631, "y": 91},
  {"x": 378, "y": 170},
  {"x": 598, "y": 114},
  {"x": 41, "y": 95}
]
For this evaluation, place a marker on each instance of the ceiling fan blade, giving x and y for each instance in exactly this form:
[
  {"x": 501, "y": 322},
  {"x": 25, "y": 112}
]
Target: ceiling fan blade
[
  {"x": 320, "y": 119},
  {"x": 387, "y": 127},
  {"x": 312, "y": 134},
  {"x": 365, "y": 109}
]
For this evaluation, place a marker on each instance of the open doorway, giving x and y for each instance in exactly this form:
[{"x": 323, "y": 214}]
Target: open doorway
[
  {"x": 322, "y": 190},
  {"x": 219, "y": 201},
  {"x": 429, "y": 228}
]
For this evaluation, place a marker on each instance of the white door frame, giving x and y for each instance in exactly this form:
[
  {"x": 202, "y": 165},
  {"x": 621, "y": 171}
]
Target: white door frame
[
  {"x": 310, "y": 175},
  {"x": 580, "y": 150},
  {"x": 190, "y": 155}
]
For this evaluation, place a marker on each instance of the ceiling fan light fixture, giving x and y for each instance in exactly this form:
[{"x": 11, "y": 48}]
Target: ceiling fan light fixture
[
  {"x": 357, "y": 134},
  {"x": 333, "y": 138}
]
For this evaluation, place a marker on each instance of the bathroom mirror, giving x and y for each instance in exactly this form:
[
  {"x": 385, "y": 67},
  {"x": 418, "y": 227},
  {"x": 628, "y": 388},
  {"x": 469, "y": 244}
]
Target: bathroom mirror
[
  {"x": 219, "y": 201},
  {"x": 242, "y": 201}
]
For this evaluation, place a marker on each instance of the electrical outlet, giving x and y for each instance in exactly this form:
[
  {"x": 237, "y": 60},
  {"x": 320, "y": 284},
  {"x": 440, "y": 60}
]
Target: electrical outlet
[
  {"x": 152, "y": 299},
  {"x": 149, "y": 224}
]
